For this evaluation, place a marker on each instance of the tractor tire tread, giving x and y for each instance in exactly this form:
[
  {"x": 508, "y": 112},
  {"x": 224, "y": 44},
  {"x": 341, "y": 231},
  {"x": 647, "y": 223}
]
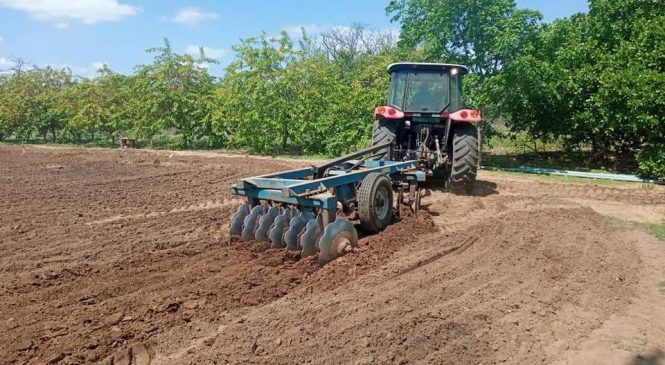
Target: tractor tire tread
[
  {"x": 366, "y": 210},
  {"x": 466, "y": 155},
  {"x": 382, "y": 132}
]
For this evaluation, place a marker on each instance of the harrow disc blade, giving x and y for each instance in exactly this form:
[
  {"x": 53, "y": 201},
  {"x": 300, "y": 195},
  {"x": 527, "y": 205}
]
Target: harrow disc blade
[
  {"x": 296, "y": 226},
  {"x": 237, "y": 219},
  {"x": 276, "y": 233},
  {"x": 265, "y": 222},
  {"x": 250, "y": 223},
  {"x": 310, "y": 237},
  {"x": 338, "y": 238}
]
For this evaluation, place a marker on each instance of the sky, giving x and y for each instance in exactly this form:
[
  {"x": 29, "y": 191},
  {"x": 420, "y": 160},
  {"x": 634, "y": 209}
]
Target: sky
[{"x": 85, "y": 34}]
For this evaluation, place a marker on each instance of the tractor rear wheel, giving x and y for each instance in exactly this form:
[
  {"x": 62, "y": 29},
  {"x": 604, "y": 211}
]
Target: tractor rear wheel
[
  {"x": 375, "y": 202},
  {"x": 382, "y": 132},
  {"x": 465, "y": 156}
]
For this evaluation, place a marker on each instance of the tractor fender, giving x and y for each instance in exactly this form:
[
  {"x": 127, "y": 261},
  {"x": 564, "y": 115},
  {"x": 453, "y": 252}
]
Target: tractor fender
[{"x": 465, "y": 116}]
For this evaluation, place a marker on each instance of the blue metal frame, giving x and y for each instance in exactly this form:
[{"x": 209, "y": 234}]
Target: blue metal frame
[{"x": 301, "y": 187}]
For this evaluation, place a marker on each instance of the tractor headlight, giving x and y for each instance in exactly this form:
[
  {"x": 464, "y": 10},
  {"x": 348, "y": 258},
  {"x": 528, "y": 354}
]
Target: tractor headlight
[{"x": 454, "y": 71}]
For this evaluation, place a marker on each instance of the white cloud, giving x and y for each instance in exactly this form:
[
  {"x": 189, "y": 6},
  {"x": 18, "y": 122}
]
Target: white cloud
[
  {"x": 6, "y": 64},
  {"x": 87, "y": 71},
  {"x": 1, "y": 39},
  {"x": 214, "y": 53},
  {"x": 62, "y": 12},
  {"x": 193, "y": 16}
]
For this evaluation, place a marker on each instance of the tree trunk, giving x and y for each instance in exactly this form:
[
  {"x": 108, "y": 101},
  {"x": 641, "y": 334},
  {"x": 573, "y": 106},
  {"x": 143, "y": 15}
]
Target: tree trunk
[{"x": 285, "y": 134}]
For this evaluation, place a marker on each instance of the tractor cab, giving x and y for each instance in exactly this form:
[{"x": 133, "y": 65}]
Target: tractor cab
[
  {"x": 425, "y": 120},
  {"x": 429, "y": 88}
]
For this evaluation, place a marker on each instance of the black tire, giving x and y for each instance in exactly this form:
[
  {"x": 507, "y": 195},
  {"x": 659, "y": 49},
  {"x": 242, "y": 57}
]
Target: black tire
[
  {"x": 382, "y": 132},
  {"x": 440, "y": 175},
  {"x": 465, "y": 152},
  {"x": 375, "y": 202}
]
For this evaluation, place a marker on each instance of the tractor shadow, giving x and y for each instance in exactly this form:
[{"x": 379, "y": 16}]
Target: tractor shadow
[{"x": 481, "y": 189}]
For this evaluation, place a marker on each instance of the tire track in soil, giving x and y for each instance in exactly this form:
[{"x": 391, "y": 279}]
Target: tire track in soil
[
  {"x": 73, "y": 292},
  {"x": 517, "y": 286},
  {"x": 130, "y": 277}
]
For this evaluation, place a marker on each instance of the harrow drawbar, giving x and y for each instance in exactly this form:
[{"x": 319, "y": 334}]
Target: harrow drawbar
[{"x": 313, "y": 209}]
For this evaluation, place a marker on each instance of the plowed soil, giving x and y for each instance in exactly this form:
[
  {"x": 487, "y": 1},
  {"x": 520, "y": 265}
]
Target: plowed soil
[{"x": 123, "y": 257}]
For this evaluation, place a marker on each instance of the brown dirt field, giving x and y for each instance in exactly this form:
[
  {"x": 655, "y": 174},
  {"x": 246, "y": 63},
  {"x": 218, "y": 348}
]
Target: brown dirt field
[{"x": 122, "y": 256}]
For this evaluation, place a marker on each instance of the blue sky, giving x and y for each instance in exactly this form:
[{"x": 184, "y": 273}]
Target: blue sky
[{"x": 86, "y": 33}]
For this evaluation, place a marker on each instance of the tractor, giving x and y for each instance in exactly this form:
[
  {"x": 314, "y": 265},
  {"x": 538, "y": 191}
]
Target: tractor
[
  {"x": 425, "y": 120},
  {"x": 423, "y": 133}
]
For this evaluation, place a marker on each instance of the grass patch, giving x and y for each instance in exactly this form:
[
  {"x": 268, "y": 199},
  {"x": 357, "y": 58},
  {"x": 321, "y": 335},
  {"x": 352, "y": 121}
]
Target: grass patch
[
  {"x": 656, "y": 229},
  {"x": 569, "y": 179},
  {"x": 661, "y": 287},
  {"x": 561, "y": 160},
  {"x": 508, "y": 149}
]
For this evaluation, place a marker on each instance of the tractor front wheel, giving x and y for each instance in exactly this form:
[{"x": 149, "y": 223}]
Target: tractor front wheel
[{"x": 464, "y": 152}]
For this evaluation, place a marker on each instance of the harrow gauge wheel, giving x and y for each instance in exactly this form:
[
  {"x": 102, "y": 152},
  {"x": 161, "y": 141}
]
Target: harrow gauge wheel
[{"x": 375, "y": 202}]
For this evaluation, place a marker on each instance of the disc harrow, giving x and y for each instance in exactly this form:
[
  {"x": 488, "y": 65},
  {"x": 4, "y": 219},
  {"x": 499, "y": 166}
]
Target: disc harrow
[{"x": 313, "y": 210}]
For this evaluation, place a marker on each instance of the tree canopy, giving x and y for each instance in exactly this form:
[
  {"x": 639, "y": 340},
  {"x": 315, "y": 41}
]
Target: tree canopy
[{"x": 593, "y": 80}]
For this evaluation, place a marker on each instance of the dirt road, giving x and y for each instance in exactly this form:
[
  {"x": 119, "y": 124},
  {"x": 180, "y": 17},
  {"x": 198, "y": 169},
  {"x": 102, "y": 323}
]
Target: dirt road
[{"x": 123, "y": 256}]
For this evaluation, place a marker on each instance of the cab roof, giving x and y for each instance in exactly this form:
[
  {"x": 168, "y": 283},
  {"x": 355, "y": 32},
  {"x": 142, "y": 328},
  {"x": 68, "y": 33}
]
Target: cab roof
[{"x": 421, "y": 66}]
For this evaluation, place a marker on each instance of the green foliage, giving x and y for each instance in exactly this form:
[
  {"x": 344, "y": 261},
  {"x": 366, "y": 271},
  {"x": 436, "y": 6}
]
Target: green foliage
[
  {"x": 174, "y": 91},
  {"x": 277, "y": 98},
  {"x": 315, "y": 97},
  {"x": 99, "y": 105},
  {"x": 652, "y": 161},
  {"x": 483, "y": 34},
  {"x": 32, "y": 103},
  {"x": 593, "y": 81}
]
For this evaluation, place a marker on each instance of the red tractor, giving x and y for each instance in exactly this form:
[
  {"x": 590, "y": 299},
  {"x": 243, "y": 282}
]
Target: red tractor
[
  {"x": 425, "y": 120},
  {"x": 423, "y": 132}
]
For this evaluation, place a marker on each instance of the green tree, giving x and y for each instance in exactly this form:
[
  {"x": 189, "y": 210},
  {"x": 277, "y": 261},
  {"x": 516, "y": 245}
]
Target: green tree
[
  {"x": 31, "y": 103},
  {"x": 174, "y": 92},
  {"x": 101, "y": 105},
  {"x": 256, "y": 93},
  {"x": 485, "y": 35},
  {"x": 595, "y": 79},
  {"x": 482, "y": 34},
  {"x": 281, "y": 98}
]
